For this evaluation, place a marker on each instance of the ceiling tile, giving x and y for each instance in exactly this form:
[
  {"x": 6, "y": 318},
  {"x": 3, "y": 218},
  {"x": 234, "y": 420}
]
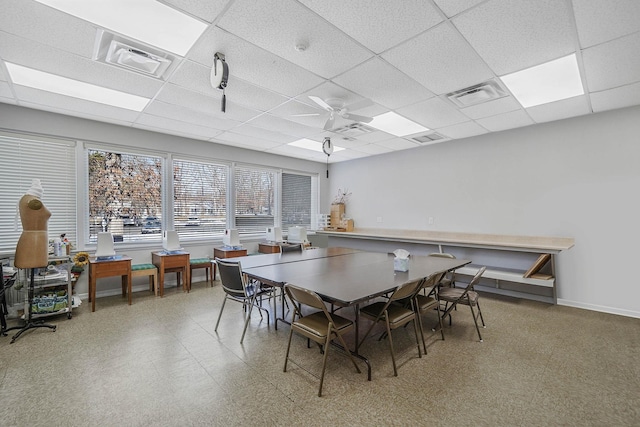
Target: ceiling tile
[
  {"x": 505, "y": 121},
  {"x": 73, "y": 106},
  {"x": 440, "y": 59},
  {"x": 373, "y": 149},
  {"x": 384, "y": 84},
  {"x": 253, "y": 64},
  {"x": 620, "y": 97},
  {"x": 462, "y": 130},
  {"x": 212, "y": 120},
  {"x": 601, "y": 21},
  {"x": 511, "y": 35},
  {"x": 174, "y": 127},
  {"x": 277, "y": 124},
  {"x": 563, "y": 109},
  {"x": 264, "y": 134},
  {"x": 612, "y": 64},
  {"x": 246, "y": 141},
  {"x": 301, "y": 153},
  {"x": 392, "y": 24},
  {"x": 205, "y": 10},
  {"x": 433, "y": 113},
  {"x": 279, "y": 25},
  {"x": 397, "y": 144},
  {"x": 96, "y": 116},
  {"x": 48, "y": 26},
  {"x": 453, "y": 7},
  {"x": 491, "y": 108},
  {"x": 5, "y": 90}
]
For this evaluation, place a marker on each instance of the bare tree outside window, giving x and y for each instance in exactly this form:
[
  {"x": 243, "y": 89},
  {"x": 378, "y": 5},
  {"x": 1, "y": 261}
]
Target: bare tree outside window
[{"x": 124, "y": 195}]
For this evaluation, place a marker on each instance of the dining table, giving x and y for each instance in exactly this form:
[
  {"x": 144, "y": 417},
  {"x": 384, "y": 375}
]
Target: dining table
[{"x": 343, "y": 276}]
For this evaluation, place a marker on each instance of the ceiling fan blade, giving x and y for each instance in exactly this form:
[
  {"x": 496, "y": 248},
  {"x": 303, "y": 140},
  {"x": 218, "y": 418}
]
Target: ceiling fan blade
[
  {"x": 305, "y": 115},
  {"x": 321, "y": 102},
  {"x": 357, "y": 118},
  {"x": 329, "y": 123}
]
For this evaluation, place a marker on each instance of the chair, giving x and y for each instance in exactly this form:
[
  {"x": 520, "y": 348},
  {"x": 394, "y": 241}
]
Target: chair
[
  {"x": 291, "y": 248},
  {"x": 395, "y": 314},
  {"x": 237, "y": 289},
  {"x": 466, "y": 296},
  {"x": 147, "y": 270},
  {"x": 205, "y": 263},
  {"x": 428, "y": 300},
  {"x": 320, "y": 326},
  {"x": 448, "y": 279}
]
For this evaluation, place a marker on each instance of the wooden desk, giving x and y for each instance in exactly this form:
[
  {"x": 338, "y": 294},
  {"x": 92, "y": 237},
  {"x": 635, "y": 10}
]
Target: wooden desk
[
  {"x": 228, "y": 253},
  {"x": 107, "y": 268},
  {"x": 268, "y": 248},
  {"x": 169, "y": 263}
]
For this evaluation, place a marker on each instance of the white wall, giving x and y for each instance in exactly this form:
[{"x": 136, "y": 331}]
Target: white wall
[
  {"x": 577, "y": 178},
  {"x": 18, "y": 119}
]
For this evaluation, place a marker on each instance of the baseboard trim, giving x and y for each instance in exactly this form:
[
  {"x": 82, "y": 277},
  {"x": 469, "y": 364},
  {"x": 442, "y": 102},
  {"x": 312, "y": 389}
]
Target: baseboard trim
[{"x": 600, "y": 308}]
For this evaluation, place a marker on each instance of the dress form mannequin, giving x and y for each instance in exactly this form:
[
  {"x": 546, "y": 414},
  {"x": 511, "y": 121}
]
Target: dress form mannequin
[{"x": 33, "y": 246}]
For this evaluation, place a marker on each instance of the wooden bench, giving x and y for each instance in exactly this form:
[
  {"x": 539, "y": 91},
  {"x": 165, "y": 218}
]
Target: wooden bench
[{"x": 147, "y": 270}]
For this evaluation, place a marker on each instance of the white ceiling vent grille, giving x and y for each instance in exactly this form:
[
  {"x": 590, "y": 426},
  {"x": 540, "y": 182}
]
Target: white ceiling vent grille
[
  {"x": 477, "y": 94},
  {"x": 427, "y": 138},
  {"x": 133, "y": 56},
  {"x": 353, "y": 130}
]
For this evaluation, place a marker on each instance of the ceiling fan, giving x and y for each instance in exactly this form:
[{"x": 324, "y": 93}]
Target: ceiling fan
[{"x": 336, "y": 107}]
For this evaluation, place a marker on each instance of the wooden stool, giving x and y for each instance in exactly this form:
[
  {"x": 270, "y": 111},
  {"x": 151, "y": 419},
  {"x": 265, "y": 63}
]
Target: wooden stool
[
  {"x": 203, "y": 263},
  {"x": 147, "y": 270}
]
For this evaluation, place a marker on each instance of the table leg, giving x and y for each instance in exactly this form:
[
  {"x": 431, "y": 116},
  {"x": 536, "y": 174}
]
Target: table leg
[
  {"x": 123, "y": 279},
  {"x": 92, "y": 292},
  {"x": 161, "y": 279}
]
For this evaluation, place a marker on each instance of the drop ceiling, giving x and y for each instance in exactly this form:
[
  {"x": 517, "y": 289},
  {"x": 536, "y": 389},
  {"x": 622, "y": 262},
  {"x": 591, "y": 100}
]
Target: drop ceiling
[{"x": 401, "y": 56}]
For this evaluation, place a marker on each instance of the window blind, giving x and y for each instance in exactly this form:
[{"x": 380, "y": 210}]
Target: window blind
[
  {"x": 297, "y": 192},
  {"x": 199, "y": 198},
  {"x": 255, "y": 200},
  {"x": 51, "y": 161}
]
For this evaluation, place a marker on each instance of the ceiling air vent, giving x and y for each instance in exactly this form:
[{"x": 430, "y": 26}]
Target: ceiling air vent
[
  {"x": 130, "y": 55},
  {"x": 353, "y": 130},
  {"x": 427, "y": 138},
  {"x": 477, "y": 94}
]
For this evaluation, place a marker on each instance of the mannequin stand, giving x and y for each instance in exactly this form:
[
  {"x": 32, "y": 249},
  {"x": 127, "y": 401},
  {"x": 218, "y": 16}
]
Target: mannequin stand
[{"x": 30, "y": 323}]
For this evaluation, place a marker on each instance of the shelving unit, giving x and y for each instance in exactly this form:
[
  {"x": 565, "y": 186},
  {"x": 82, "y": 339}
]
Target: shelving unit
[
  {"x": 520, "y": 266},
  {"x": 52, "y": 289}
]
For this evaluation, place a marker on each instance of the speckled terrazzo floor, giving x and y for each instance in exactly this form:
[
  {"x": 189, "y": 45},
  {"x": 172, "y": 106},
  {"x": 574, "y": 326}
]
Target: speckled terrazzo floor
[{"x": 160, "y": 363}]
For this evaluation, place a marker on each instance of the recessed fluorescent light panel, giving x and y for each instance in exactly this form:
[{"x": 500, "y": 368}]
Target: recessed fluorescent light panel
[
  {"x": 312, "y": 145},
  {"x": 29, "y": 77},
  {"x": 544, "y": 83},
  {"x": 149, "y": 21},
  {"x": 395, "y": 124}
]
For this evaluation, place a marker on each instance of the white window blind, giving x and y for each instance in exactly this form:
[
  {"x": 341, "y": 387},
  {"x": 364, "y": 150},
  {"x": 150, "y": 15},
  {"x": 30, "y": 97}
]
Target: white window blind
[
  {"x": 255, "y": 199},
  {"x": 53, "y": 162},
  {"x": 199, "y": 198},
  {"x": 125, "y": 196},
  {"x": 297, "y": 196}
]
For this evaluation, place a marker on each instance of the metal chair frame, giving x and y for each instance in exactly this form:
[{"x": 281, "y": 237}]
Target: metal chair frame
[
  {"x": 320, "y": 326},
  {"x": 461, "y": 296},
  {"x": 395, "y": 315},
  {"x": 237, "y": 289}
]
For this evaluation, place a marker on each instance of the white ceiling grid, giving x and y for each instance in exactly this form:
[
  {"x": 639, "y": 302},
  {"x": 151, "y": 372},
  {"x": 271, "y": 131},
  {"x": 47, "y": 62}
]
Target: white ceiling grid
[{"x": 386, "y": 55}]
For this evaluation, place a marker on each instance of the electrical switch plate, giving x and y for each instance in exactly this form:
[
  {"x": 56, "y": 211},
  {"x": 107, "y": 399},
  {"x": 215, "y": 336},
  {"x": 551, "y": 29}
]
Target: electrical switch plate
[
  {"x": 430, "y": 220},
  {"x": 379, "y": 219}
]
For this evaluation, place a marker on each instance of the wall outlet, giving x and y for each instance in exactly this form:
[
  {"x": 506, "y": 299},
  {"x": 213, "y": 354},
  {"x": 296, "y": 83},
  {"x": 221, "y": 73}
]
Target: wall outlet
[
  {"x": 430, "y": 220},
  {"x": 379, "y": 219}
]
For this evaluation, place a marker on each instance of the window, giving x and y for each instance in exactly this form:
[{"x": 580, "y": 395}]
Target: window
[
  {"x": 255, "y": 208},
  {"x": 125, "y": 196},
  {"x": 298, "y": 199},
  {"x": 51, "y": 161},
  {"x": 199, "y": 198}
]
